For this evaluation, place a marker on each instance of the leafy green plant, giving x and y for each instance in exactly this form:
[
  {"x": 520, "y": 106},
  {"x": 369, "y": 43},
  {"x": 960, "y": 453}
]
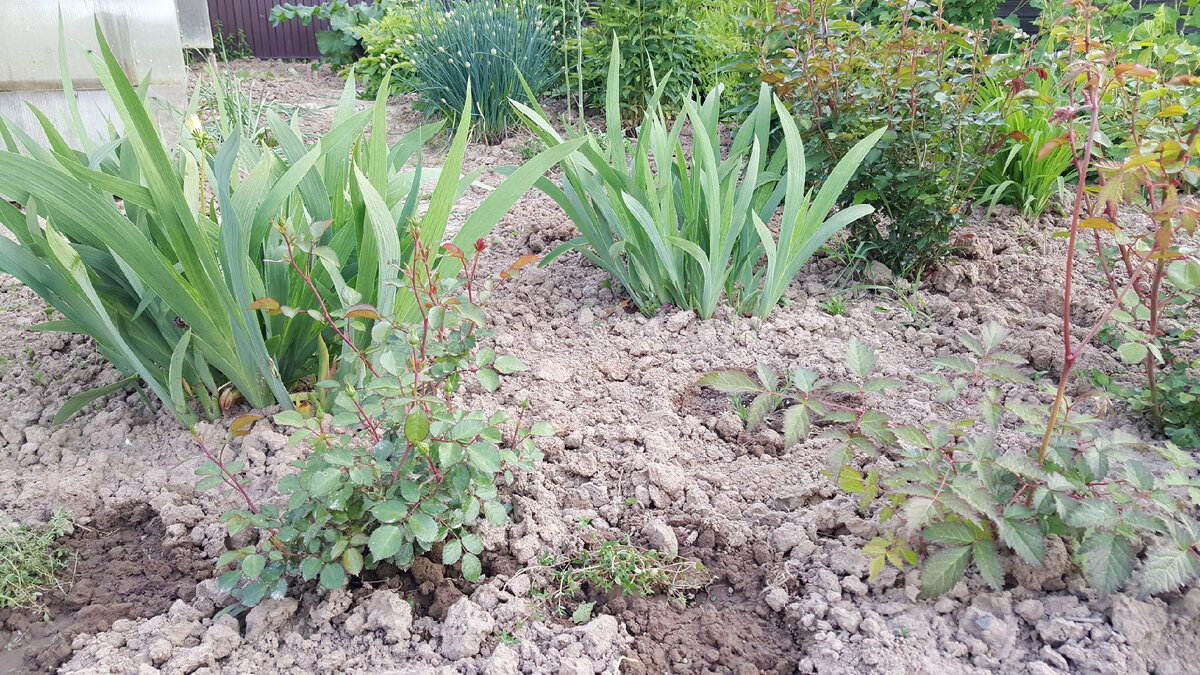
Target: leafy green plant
[
  {"x": 688, "y": 234},
  {"x": 341, "y": 43},
  {"x": 229, "y": 47},
  {"x": 834, "y": 306},
  {"x": 955, "y": 488},
  {"x": 1019, "y": 175},
  {"x": 31, "y": 562},
  {"x": 664, "y": 38},
  {"x": 401, "y": 468},
  {"x": 915, "y": 74},
  {"x": 235, "y": 101},
  {"x": 186, "y": 293},
  {"x": 605, "y": 565},
  {"x": 385, "y": 47},
  {"x": 485, "y": 48}
]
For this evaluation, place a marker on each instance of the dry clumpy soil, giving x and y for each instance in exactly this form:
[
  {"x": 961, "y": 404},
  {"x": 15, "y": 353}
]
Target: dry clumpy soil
[
  {"x": 120, "y": 569},
  {"x": 640, "y": 449}
]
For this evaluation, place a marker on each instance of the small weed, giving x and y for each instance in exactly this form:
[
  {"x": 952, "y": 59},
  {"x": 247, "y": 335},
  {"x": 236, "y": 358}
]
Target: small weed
[
  {"x": 834, "y": 306},
  {"x": 616, "y": 563},
  {"x": 532, "y": 147},
  {"x": 30, "y": 563},
  {"x": 505, "y": 637}
]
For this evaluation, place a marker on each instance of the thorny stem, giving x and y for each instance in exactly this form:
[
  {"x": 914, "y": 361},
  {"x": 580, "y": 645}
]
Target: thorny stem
[{"x": 1092, "y": 97}]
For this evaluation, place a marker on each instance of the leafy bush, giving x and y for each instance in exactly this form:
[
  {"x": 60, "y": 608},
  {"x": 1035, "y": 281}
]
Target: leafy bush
[
  {"x": 401, "y": 467},
  {"x": 915, "y": 74},
  {"x": 385, "y": 50},
  {"x": 663, "y": 37},
  {"x": 954, "y": 488},
  {"x": 688, "y": 233},
  {"x": 30, "y": 562},
  {"x": 168, "y": 284},
  {"x": 341, "y": 44},
  {"x": 484, "y": 47}
]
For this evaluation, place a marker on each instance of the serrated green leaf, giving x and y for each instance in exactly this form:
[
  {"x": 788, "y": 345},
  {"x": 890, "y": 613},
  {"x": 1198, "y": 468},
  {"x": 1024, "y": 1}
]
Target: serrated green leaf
[
  {"x": 731, "y": 382},
  {"x": 917, "y": 512},
  {"x": 1092, "y": 513},
  {"x": 252, "y": 565},
  {"x": 485, "y": 457},
  {"x": 325, "y": 481},
  {"x": 451, "y": 552},
  {"x": 796, "y": 424},
  {"x": 423, "y": 527},
  {"x": 472, "y": 543},
  {"x": 488, "y": 379},
  {"x": 987, "y": 561},
  {"x": 956, "y": 364},
  {"x": 1023, "y": 538},
  {"x": 352, "y": 561},
  {"x": 495, "y": 513},
  {"x": 508, "y": 365},
  {"x": 333, "y": 576},
  {"x": 390, "y": 511},
  {"x": 1107, "y": 561},
  {"x": 860, "y": 358},
  {"x": 1166, "y": 569},
  {"x": 310, "y": 567},
  {"x": 385, "y": 541},
  {"x": 942, "y": 570},
  {"x": 949, "y": 534},
  {"x": 471, "y": 567},
  {"x": 1132, "y": 352}
]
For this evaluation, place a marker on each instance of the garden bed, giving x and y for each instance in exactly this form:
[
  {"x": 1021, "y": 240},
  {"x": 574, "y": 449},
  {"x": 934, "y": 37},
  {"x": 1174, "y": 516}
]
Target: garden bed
[{"x": 641, "y": 450}]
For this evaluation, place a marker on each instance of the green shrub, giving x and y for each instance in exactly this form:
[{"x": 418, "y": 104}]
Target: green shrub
[
  {"x": 30, "y": 562},
  {"x": 685, "y": 228},
  {"x": 384, "y": 42},
  {"x": 170, "y": 284},
  {"x": 402, "y": 466},
  {"x": 662, "y": 37},
  {"x": 341, "y": 43},
  {"x": 914, "y": 74},
  {"x": 953, "y": 488},
  {"x": 482, "y": 47}
]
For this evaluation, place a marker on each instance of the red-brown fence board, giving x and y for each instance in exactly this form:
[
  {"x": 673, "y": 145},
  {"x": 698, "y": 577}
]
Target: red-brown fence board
[{"x": 288, "y": 40}]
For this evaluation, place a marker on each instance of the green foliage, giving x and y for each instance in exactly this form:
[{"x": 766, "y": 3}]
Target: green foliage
[
  {"x": 664, "y": 38},
  {"x": 1019, "y": 175},
  {"x": 341, "y": 43},
  {"x": 192, "y": 295},
  {"x": 692, "y": 233},
  {"x": 30, "y": 562},
  {"x": 1174, "y": 403},
  {"x": 956, "y": 489},
  {"x": 605, "y": 565},
  {"x": 385, "y": 47},
  {"x": 229, "y": 101},
  {"x": 228, "y": 47},
  {"x": 484, "y": 47},
  {"x": 401, "y": 468},
  {"x": 912, "y": 73}
]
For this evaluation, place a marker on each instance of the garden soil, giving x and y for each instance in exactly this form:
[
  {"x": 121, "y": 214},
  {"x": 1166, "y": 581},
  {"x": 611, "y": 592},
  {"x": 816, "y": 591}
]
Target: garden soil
[{"x": 641, "y": 451}]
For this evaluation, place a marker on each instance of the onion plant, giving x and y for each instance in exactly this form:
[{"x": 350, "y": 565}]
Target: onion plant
[
  {"x": 686, "y": 228},
  {"x": 177, "y": 260},
  {"x": 478, "y": 48}
]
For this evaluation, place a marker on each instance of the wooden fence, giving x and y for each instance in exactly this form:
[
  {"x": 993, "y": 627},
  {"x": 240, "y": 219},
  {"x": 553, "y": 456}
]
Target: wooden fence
[{"x": 288, "y": 40}]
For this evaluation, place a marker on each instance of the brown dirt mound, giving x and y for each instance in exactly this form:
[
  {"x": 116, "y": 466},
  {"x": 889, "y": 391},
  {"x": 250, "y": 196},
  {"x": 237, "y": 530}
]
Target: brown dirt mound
[{"x": 122, "y": 570}]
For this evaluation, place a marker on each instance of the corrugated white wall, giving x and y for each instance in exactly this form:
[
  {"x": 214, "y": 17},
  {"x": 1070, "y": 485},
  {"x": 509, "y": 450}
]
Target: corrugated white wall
[{"x": 144, "y": 35}]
